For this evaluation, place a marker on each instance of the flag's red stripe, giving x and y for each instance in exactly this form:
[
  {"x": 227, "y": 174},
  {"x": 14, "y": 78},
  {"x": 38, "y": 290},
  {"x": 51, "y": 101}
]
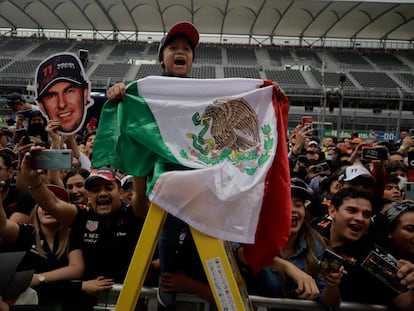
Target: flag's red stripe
[{"x": 275, "y": 216}]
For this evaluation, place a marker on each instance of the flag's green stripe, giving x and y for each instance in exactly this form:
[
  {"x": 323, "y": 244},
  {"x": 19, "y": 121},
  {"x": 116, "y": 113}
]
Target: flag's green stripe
[{"x": 129, "y": 139}]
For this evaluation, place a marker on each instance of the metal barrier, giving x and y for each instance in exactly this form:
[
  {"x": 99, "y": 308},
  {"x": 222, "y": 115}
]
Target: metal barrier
[{"x": 148, "y": 302}]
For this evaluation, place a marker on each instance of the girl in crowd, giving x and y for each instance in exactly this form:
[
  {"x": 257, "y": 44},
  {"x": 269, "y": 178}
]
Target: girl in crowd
[
  {"x": 50, "y": 252},
  {"x": 74, "y": 182},
  {"x": 295, "y": 273}
]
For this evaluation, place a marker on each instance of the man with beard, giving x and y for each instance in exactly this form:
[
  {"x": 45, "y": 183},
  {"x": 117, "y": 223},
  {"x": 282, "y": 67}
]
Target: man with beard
[
  {"x": 16, "y": 203},
  {"x": 347, "y": 230},
  {"x": 107, "y": 229}
]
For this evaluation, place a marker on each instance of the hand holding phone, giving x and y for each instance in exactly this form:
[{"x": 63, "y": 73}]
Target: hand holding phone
[
  {"x": 23, "y": 133},
  {"x": 49, "y": 159},
  {"x": 331, "y": 262},
  {"x": 28, "y": 113},
  {"x": 307, "y": 121},
  {"x": 373, "y": 153}
]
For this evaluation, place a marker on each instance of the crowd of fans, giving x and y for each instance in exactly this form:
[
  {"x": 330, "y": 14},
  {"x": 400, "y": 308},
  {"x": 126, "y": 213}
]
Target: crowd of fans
[
  {"x": 340, "y": 201},
  {"x": 79, "y": 226}
]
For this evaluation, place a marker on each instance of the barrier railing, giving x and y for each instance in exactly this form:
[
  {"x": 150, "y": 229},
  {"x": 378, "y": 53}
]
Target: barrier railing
[{"x": 148, "y": 302}]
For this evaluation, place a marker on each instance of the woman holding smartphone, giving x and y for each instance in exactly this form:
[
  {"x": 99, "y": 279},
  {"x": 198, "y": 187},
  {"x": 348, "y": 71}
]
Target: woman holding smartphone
[
  {"x": 51, "y": 252},
  {"x": 294, "y": 274}
]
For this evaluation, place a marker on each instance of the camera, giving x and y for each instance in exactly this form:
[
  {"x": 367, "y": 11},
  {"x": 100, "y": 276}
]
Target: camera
[
  {"x": 321, "y": 167},
  {"x": 372, "y": 153},
  {"x": 51, "y": 159},
  {"x": 411, "y": 133}
]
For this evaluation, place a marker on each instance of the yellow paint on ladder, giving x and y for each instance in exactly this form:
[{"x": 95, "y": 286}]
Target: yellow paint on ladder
[{"x": 222, "y": 272}]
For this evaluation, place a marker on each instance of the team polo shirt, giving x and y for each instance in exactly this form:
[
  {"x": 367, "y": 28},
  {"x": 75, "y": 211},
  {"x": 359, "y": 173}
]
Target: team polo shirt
[
  {"x": 357, "y": 285},
  {"x": 107, "y": 248}
]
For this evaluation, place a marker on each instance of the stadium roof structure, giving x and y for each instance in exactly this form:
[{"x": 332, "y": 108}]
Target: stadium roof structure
[{"x": 352, "y": 20}]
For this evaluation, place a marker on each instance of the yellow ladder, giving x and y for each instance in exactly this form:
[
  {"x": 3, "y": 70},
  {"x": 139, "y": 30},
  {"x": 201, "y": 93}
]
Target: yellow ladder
[{"x": 219, "y": 265}]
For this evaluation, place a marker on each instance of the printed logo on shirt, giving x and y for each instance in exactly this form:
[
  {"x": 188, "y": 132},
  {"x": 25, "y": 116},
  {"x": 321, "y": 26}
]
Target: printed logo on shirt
[{"x": 92, "y": 225}]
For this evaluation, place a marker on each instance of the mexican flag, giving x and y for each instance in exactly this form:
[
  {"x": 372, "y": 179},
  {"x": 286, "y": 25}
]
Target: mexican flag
[{"x": 214, "y": 152}]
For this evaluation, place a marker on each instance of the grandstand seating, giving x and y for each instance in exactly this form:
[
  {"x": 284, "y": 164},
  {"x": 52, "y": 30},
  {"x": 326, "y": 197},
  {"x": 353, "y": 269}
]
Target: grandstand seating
[
  {"x": 277, "y": 55},
  {"x": 92, "y": 47},
  {"x": 386, "y": 61},
  {"x": 407, "y": 78},
  {"x": 309, "y": 56},
  {"x": 12, "y": 47},
  {"x": 153, "y": 50},
  {"x": 287, "y": 77},
  {"x": 50, "y": 47},
  {"x": 148, "y": 70},
  {"x": 4, "y": 61},
  {"x": 117, "y": 71},
  {"x": 208, "y": 55},
  {"x": 331, "y": 79},
  {"x": 241, "y": 72},
  {"x": 241, "y": 56},
  {"x": 378, "y": 80},
  {"x": 349, "y": 59},
  {"x": 21, "y": 68},
  {"x": 203, "y": 72},
  {"x": 122, "y": 51}
]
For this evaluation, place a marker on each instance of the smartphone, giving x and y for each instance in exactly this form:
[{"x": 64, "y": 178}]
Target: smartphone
[
  {"x": 331, "y": 262},
  {"x": 409, "y": 190},
  {"x": 28, "y": 113},
  {"x": 307, "y": 121},
  {"x": 23, "y": 133},
  {"x": 321, "y": 167},
  {"x": 372, "y": 153},
  {"x": 48, "y": 159},
  {"x": 411, "y": 133}
]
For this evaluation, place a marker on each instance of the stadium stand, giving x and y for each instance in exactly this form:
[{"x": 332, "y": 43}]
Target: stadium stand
[
  {"x": 208, "y": 55},
  {"x": 407, "y": 78},
  {"x": 116, "y": 70},
  {"x": 308, "y": 56},
  {"x": 148, "y": 70},
  {"x": 11, "y": 47},
  {"x": 330, "y": 79},
  {"x": 125, "y": 51},
  {"x": 278, "y": 56},
  {"x": 287, "y": 77},
  {"x": 241, "y": 72},
  {"x": 4, "y": 61},
  {"x": 380, "y": 80},
  {"x": 386, "y": 61},
  {"x": 203, "y": 72},
  {"x": 351, "y": 59},
  {"x": 21, "y": 68},
  {"x": 50, "y": 47},
  {"x": 241, "y": 56},
  {"x": 92, "y": 47}
]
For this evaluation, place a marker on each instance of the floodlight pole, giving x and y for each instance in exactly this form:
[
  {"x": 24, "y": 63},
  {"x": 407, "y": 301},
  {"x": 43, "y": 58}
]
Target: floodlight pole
[
  {"x": 322, "y": 129},
  {"x": 342, "y": 79},
  {"x": 400, "y": 107}
]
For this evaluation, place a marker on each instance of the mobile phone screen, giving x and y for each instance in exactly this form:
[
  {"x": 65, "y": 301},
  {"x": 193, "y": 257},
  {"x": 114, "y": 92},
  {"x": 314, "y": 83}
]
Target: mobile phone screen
[{"x": 51, "y": 159}]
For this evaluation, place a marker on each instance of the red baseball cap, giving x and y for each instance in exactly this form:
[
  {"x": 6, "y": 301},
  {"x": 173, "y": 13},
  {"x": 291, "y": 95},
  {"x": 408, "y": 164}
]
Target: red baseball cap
[
  {"x": 103, "y": 173},
  {"x": 183, "y": 28}
]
